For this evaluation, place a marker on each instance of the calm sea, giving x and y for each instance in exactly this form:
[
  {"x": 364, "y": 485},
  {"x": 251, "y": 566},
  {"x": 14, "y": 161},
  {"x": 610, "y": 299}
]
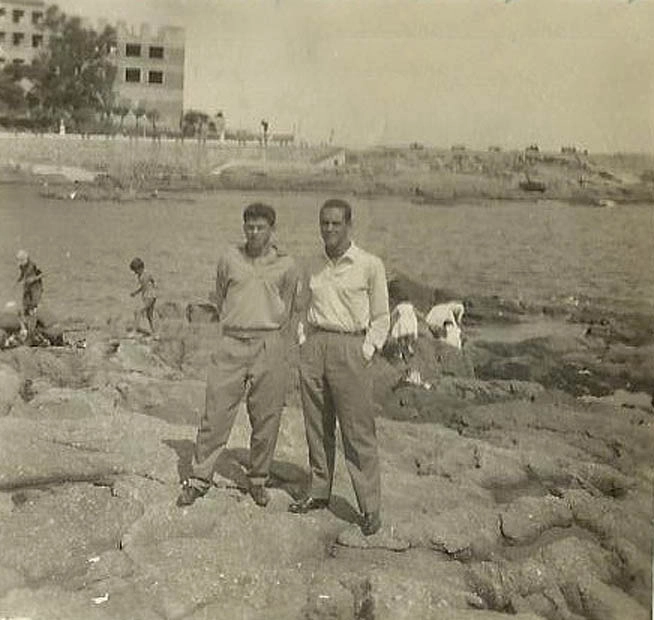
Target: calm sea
[{"x": 533, "y": 251}]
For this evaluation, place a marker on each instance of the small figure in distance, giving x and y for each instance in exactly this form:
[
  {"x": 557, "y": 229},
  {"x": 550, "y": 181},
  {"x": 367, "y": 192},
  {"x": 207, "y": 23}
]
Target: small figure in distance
[
  {"x": 32, "y": 279},
  {"x": 404, "y": 324},
  {"x": 147, "y": 290}
]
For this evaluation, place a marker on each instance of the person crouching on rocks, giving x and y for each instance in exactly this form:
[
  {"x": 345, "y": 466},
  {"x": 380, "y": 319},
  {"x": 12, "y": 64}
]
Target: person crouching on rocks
[
  {"x": 32, "y": 279},
  {"x": 147, "y": 290},
  {"x": 444, "y": 322},
  {"x": 404, "y": 327}
]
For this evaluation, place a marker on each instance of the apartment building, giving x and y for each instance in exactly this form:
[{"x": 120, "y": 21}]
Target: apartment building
[
  {"x": 150, "y": 71},
  {"x": 21, "y": 30}
]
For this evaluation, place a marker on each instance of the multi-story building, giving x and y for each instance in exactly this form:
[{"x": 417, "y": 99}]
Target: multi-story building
[
  {"x": 21, "y": 30},
  {"x": 151, "y": 71},
  {"x": 150, "y": 63}
]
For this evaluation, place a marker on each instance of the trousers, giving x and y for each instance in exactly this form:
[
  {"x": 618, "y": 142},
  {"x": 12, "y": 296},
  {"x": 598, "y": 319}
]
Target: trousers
[
  {"x": 254, "y": 367},
  {"x": 336, "y": 384}
]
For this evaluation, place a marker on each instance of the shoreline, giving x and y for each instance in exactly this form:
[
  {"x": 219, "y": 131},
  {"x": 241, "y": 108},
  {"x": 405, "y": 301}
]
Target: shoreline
[
  {"x": 125, "y": 170},
  {"x": 57, "y": 188}
]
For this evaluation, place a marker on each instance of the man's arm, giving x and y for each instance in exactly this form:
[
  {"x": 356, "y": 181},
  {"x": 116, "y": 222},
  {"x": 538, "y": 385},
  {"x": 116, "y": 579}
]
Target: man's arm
[
  {"x": 222, "y": 280},
  {"x": 290, "y": 295},
  {"x": 33, "y": 279},
  {"x": 301, "y": 300},
  {"x": 380, "y": 320}
]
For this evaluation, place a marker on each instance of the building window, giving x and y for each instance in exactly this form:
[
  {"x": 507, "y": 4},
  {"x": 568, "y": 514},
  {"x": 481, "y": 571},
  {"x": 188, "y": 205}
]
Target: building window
[
  {"x": 17, "y": 15},
  {"x": 155, "y": 77},
  {"x": 132, "y": 49},
  {"x": 3, "y": 36},
  {"x": 18, "y": 38},
  {"x": 19, "y": 61},
  {"x": 37, "y": 40},
  {"x": 37, "y": 17},
  {"x": 3, "y": 11},
  {"x": 132, "y": 75},
  {"x": 2, "y": 60},
  {"x": 156, "y": 52}
]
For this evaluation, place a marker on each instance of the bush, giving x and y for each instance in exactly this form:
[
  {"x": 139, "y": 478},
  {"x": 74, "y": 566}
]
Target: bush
[
  {"x": 23, "y": 123},
  {"x": 647, "y": 176}
]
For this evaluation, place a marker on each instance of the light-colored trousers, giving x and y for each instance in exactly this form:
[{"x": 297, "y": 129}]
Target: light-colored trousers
[
  {"x": 336, "y": 383},
  {"x": 256, "y": 368}
]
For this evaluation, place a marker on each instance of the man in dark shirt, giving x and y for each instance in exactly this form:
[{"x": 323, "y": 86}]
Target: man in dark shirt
[{"x": 32, "y": 279}]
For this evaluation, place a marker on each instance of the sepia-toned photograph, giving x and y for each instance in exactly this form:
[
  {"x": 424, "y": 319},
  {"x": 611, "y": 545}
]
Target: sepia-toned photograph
[{"x": 326, "y": 309}]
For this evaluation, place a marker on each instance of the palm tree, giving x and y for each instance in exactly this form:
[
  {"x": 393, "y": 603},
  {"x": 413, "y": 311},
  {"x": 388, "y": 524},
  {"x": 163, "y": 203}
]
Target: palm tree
[
  {"x": 153, "y": 116},
  {"x": 139, "y": 112},
  {"x": 264, "y": 126},
  {"x": 122, "y": 109}
]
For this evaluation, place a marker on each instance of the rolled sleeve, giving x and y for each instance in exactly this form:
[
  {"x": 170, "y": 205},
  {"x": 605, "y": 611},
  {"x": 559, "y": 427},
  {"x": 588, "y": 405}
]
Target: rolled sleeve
[{"x": 380, "y": 320}]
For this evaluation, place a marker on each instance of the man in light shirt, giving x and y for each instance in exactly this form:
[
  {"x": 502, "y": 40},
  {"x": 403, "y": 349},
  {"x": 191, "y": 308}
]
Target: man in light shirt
[
  {"x": 256, "y": 284},
  {"x": 347, "y": 321}
]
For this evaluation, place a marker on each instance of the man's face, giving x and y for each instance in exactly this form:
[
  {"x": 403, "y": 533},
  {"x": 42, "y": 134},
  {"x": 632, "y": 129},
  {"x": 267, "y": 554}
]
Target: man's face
[
  {"x": 335, "y": 231},
  {"x": 257, "y": 233}
]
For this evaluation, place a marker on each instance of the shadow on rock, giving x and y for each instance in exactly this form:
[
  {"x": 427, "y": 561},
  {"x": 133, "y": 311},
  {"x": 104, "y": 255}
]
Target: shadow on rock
[
  {"x": 184, "y": 448},
  {"x": 232, "y": 465}
]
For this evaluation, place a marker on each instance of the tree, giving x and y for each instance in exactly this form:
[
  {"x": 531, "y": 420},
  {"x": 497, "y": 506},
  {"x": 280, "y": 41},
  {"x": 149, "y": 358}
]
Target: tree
[
  {"x": 82, "y": 117},
  {"x": 12, "y": 94},
  {"x": 122, "y": 109},
  {"x": 139, "y": 112},
  {"x": 194, "y": 122},
  {"x": 75, "y": 72},
  {"x": 153, "y": 116}
]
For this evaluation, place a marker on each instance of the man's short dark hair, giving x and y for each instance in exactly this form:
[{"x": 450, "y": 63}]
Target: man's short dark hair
[
  {"x": 339, "y": 203},
  {"x": 136, "y": 264},
  {"x": 258, "y": 210}
]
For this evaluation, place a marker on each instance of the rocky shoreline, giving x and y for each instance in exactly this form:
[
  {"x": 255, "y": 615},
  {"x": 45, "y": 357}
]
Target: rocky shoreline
[
  {"x": 104, "y": 170},
  {"x": 518, "y": 485}
]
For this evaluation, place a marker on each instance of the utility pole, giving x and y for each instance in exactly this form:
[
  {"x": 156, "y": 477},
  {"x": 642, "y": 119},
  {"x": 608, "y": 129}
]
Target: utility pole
[{"x": 264, "y": 129}]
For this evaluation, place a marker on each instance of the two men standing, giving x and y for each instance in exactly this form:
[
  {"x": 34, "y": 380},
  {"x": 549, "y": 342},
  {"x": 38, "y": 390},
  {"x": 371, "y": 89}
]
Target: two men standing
[{"x": 343, "y": 303}]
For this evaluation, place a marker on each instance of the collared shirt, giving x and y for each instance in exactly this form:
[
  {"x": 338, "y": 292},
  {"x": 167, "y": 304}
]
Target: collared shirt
[
  {"x": 349, "y": 294},
  {"x": 255, "y": 293}
]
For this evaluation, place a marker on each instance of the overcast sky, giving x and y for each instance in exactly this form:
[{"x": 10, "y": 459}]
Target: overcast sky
[{"x": 478, "y": 72}]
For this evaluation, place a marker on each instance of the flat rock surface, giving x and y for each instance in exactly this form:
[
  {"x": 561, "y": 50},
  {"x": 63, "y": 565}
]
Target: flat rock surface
[{"x": 503, "y": 496}]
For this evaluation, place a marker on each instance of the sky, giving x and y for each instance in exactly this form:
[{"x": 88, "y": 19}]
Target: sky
[{"x": 439, "y": 72}]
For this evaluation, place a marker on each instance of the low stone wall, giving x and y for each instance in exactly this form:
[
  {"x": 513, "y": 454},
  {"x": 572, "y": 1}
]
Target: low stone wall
[{"x": 120, "y": 155}]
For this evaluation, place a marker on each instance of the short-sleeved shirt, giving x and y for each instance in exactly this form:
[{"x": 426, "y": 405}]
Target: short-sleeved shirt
[
  {"x": 32, "y": 291},
  {"x": 148, "y": 286}
]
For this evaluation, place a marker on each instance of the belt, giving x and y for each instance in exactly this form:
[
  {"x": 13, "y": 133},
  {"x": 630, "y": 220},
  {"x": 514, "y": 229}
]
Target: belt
[
  {"x": 341, "y": 332},
  {"x": 249, "y": 334}
]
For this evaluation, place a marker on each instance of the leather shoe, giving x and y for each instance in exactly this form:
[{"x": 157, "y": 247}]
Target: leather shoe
[
  {"x": 260, "y": 495},
  {"x": 371, "y": 523},
  {"x": 189, "y": 494},
  {"x": 307, "y": 504}
]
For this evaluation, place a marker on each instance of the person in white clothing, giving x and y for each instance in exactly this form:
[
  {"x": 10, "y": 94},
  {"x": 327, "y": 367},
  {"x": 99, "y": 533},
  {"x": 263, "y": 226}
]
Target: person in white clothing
[
  {"x": 404, "y": 329},
  {"x": 444, "y": 322}
]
